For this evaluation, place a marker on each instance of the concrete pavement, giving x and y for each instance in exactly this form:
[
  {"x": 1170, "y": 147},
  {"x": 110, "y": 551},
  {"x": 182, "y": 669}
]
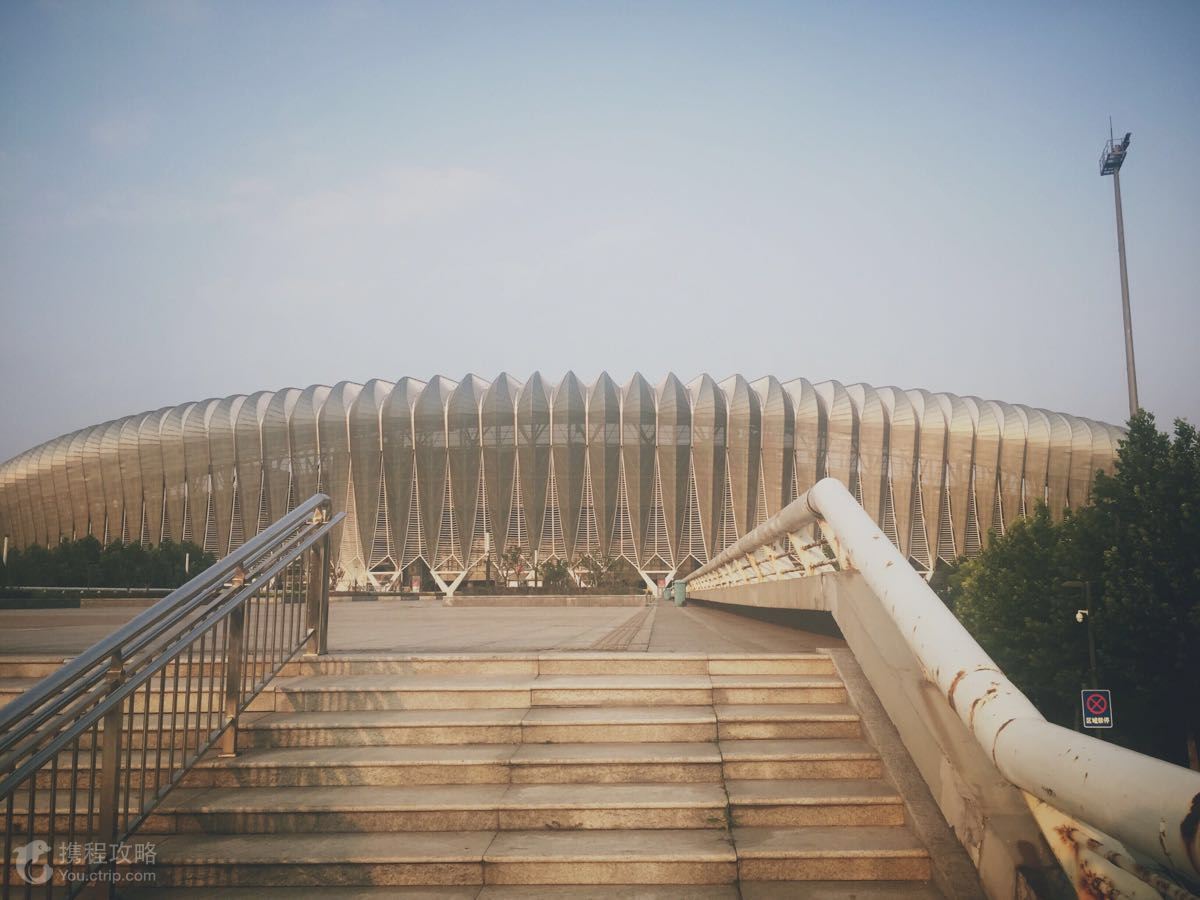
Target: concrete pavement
[{"x": 408, "y": 626}]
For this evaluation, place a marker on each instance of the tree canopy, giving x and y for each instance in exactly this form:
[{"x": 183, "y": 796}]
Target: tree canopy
[
  {"x": 87, "y": 563},
  {"x": 1132, "y": 558}
]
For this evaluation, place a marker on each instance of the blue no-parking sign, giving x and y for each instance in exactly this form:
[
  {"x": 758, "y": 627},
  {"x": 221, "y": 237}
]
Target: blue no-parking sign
[{"x": 1097, "y": 708}]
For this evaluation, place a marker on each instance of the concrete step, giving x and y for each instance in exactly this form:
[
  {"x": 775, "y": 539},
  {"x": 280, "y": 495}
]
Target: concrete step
[
  {"x": 202, "y": 695},
  {"x": 145, "y": 728},
  {"x": 323, "y": 892},
  {"x": 364, "y": 692},
  {"x": 566, "y": 724},
  {"x": 307, "y": 810},
  {"x": 865, "y": 853},
  {"x": 678, "y": 857},
  {"x": 839, "y": 890},
  {"x": 435, "y": 892},
  {"x": 588, "y": 763},
  {"x": 622, "y": 663},
  {"x": 581, "y": 601},
  {"x": 778, "y": 688},
  {"x": 549, "y": 763},
  {"x": 444, "y": 664},
  {"x": 144, "y": 731},
  {"x": 771, "y": 664},
  {"x": 786, "y": 721},
  {"x": 613, "y": 806},
  {"x": 471, "y": 807},
  {"x": 331, "y": 766},
  {"x": 12, "y": 687},
  {"x": 382, "y": 727},
  {"x": 814, "y": 801},
  {"x": 37, "y": 665},
  {"x": 808, "y": 758},
  {"x": 384, "y": 692},
  {"x": 616, "y": 763},
  {"x": 349, "y": 692},
  {"x": 564, "y": 663},
  {"x": 751, "y": 890},
  {"x": 257, "y": 810},
  {"x": 478, "y": 726},
  {"x": 698, "y": 856},
  {"x": 421, "y": 858},
  {"x": 205, "y": 698},
  {"x": 622, "y": 690},
  {"x": 609, "y": 892},
  {"x": 18, "y": 677},
  {"x": 540, "y": 775},
  {"x": 151, "y": 767}
]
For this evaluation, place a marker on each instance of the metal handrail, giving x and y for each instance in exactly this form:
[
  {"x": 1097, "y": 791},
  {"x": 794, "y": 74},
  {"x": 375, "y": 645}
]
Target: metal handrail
[
  {"x": 145, "y": 621},
  {"x": 248, "y": 615},
  {"x": 1142, "y": 802}
]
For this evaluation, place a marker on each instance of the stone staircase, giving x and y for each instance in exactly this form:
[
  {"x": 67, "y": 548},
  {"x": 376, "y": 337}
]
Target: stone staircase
[{"x": 543, "y": 775}]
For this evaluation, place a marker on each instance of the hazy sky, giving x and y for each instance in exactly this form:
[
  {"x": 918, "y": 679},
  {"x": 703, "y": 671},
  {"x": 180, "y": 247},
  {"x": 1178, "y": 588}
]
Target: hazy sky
[{"x": 199, "y": 199}]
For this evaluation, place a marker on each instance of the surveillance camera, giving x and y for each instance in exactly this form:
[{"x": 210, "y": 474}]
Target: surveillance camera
[{"x": 1079, "y": 615}]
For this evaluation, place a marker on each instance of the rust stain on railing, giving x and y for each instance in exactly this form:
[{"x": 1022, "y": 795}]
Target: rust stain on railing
[
  {"x": 1042, "y": 759},
  {"x": 1189, "y": 830}
]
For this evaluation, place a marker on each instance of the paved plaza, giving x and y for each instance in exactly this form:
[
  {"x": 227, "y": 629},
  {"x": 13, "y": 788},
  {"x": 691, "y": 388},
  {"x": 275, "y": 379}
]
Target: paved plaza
[{"x": 408, "y": 626}]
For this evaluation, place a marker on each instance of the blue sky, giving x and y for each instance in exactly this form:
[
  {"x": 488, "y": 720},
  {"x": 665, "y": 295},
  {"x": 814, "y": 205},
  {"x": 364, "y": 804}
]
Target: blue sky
[{"x": 199, "y": 198}]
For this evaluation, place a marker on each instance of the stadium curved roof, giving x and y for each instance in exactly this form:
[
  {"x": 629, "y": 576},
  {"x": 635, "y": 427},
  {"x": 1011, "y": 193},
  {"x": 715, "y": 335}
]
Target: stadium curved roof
[{"x": 436, "y": 475}]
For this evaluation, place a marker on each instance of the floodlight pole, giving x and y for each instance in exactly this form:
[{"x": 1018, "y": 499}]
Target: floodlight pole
[
  {"x": 1110, "y": 164},
  {"x": 1130, "y": 369}
]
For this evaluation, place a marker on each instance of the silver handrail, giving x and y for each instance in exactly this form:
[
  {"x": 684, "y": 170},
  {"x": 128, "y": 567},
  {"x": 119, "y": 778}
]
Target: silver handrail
[
  {"x": 1140, "y": 801},
  {"x": 216, "y": 642}
]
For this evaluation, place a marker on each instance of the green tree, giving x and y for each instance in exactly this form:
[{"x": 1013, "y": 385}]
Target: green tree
[
  {"x": 1147, "y": 533},
  {"x": 510, "y": 564},
  {"x": 599, "y": 570},
  {"x": 1138, "y": 549},
  {"x": 556, "y": 574},
  {"x": 85, "y": 563},
  {"x": 1013, "y": 599}
]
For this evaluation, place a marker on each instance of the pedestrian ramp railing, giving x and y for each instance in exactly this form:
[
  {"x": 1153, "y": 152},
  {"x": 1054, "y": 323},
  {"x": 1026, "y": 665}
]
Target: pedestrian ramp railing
[
  {"x": 1119, "y": 822},
  {"x": 89, "y": 751}
]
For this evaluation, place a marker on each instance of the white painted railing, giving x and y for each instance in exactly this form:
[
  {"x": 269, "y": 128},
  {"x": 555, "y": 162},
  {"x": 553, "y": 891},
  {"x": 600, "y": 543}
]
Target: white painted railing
[{"x": 1119, "y": 797}]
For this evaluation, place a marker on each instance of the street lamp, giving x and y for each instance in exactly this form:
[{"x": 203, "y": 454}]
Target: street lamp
[
  {"x": 1111, "y": 159},
  {"x": 1085, "y": 616}
]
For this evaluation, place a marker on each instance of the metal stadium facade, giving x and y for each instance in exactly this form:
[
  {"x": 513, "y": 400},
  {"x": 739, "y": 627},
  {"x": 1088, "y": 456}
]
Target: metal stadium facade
[{"x": 437, "y": 477}]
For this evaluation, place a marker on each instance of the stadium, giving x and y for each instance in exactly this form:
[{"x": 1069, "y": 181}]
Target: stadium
[{"x": 439, "y": 478}]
